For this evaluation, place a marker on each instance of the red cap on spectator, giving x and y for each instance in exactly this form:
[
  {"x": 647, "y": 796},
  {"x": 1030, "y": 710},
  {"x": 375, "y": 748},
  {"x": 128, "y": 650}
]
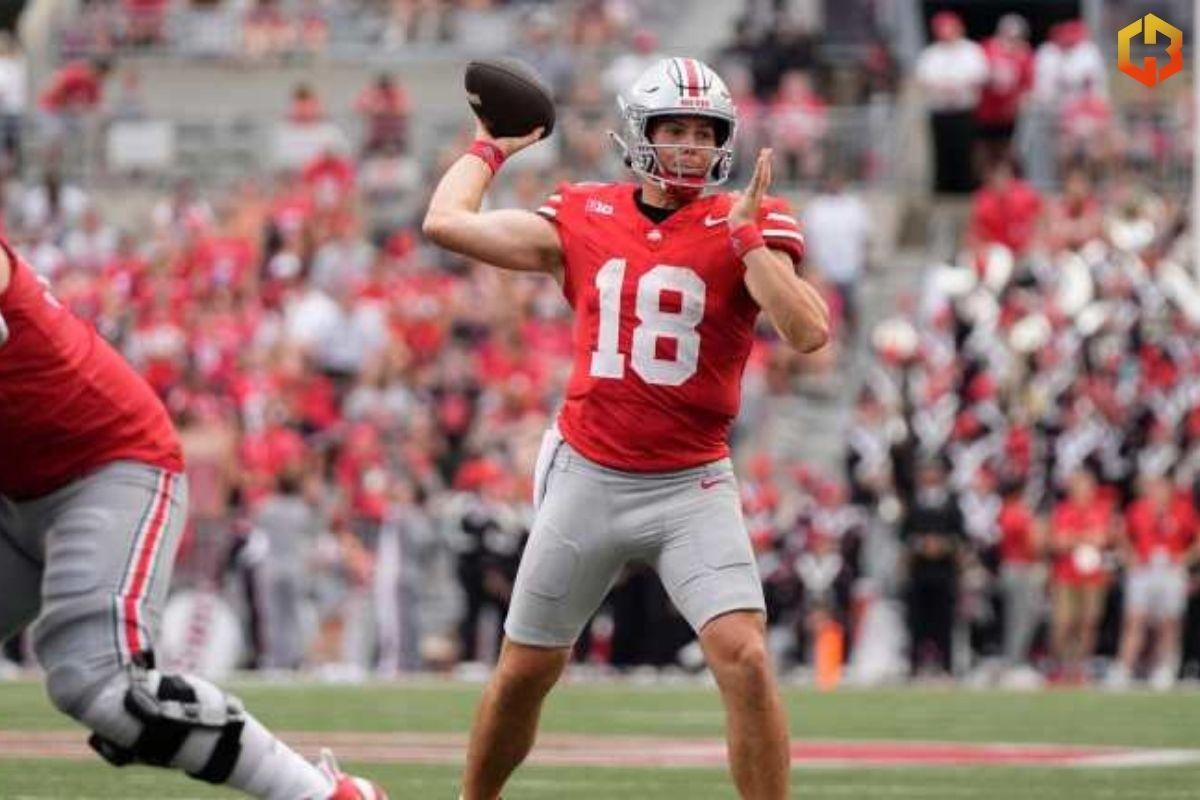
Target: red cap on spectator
[
  {"x": 946, "y": 24},
  {"x": 1072, "y": 32}
]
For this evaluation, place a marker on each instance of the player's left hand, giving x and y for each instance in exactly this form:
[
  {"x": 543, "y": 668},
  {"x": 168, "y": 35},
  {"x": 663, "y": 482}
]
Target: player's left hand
[{"x": 746, "y": 204}]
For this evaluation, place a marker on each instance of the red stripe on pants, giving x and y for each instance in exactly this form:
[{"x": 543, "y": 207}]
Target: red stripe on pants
[{"x": 142, "y": 564}]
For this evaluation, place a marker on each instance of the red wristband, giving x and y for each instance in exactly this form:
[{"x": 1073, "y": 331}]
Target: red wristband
[
  {"x": 492, "y": 155},
  {"x": 744, "y": 238}
]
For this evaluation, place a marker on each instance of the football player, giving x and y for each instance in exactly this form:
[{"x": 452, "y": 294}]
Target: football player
[
  {"x": 92, "y": 502},
  {"x": 666, "y": 282}
]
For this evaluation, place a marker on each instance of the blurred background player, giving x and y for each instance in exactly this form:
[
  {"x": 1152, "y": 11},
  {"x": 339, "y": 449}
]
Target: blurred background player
[
  {"x": 637, "y": 467},
  {"x": 92, "y": 503},
  {"x": 1160, "y": 544}
]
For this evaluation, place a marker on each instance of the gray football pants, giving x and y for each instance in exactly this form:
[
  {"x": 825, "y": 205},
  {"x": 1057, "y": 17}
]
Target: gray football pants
[
  {"x": 591, "y": 521},
  {"x": 91, "y": 563}
]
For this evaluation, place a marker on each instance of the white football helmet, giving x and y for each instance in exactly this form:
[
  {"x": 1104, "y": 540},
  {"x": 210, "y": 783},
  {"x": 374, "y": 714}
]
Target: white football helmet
[{"x": 675, "y": 87}]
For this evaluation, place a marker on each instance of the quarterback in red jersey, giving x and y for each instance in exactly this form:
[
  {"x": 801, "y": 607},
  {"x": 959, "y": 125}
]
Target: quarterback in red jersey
[
  {"x": 666, "y": 283},
  {"x": 92, "y": 502}
]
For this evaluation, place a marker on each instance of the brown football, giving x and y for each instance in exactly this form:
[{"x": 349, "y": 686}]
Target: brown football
[{"x": 508, "y": 97}]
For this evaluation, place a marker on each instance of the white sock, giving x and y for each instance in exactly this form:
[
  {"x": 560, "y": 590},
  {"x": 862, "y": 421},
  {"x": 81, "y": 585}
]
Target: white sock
[
  {"x": 266, "y": 767},
  {"x": 269, "y": 769}
]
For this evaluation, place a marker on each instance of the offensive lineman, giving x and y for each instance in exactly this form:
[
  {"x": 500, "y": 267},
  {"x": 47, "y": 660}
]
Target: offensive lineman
[
  {"x": 666, "y": 284},
  {"x": 92, "y": 502}
]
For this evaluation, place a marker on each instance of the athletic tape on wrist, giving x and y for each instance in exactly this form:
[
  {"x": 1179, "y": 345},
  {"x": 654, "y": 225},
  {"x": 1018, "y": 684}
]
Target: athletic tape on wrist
[
  {"x": 492, "y": 155},
  {"x": 744, "y": 238}
]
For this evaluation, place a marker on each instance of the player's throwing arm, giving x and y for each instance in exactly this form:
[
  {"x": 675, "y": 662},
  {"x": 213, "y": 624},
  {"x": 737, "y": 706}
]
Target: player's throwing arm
[{"x": 505, "y": 99}]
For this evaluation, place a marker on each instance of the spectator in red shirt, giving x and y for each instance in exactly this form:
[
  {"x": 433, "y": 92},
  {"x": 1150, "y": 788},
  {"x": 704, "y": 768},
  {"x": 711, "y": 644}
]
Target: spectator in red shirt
[
  {"x": 384, "y": 108},
  {"x": 267, "y": 31},
  {"x": 1009, "y": 79},
  {"x": 266, "y": 453},
  {"x": 329, "y": 177},
  {"x": 1159, "y": 543},
  {"x": 144, "y": 21},
  {"x": 312, "y": 29},
  {"x": 76, "y": 88},
  {"x": 797, "y": 122},
  {"x": 1075, "y": 218},
  {"x": 1087, "y": 128},
  {"x": 1081, "y": 532},
  {"x": 1022, "y": 571},
  {"x": 1005, "y": 211}
]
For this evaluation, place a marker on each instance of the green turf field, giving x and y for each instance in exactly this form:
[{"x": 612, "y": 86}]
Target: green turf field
[{"x": 1139, "y": 720}]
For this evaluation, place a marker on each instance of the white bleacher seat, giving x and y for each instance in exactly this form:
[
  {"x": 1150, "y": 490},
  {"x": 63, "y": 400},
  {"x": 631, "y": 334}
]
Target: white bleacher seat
[{"x": 147, "y": 144}]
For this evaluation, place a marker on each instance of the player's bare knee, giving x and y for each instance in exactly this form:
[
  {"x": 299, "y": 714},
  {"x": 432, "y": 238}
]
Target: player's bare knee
[
  {"x": 530, "y": 669},
  {"x": 739, "y": 653},
  {"x": 749, "y": 659}
]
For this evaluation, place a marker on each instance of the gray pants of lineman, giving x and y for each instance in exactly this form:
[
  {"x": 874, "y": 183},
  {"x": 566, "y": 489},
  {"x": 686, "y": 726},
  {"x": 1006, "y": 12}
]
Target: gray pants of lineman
[
  {"x": 91, "y": 562},
  {"x": 591, "y": 521}
]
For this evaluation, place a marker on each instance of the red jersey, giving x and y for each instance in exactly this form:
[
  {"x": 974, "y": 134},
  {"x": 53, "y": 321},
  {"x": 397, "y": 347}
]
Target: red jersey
[
  {"x": 1083, "y": 530},
  {"x": 75, "y": 87},
  {"x": 1010, "y": 76},
  {"x": 1007, "y": 216},
  {"x": 663, "y": 324},
  {"x": 1168, "y": 534},
  {"x": 68, "y": 402},
  {"x": 1017, "y": 542}
]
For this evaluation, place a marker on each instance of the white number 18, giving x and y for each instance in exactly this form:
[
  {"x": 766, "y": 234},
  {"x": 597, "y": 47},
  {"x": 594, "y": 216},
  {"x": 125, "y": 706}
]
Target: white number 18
[{"x": 653, "y": 324}]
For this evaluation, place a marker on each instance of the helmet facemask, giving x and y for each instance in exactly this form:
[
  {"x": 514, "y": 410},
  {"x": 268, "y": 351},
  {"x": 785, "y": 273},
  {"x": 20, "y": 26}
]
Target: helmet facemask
[
  {"x": 645, "y": 157},
  {"x": 677, "y": 87}
]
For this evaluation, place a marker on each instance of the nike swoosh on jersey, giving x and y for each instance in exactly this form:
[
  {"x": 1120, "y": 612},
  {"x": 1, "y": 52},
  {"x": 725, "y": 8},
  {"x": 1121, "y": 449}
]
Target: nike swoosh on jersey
[
  {"x": 710, "y": 221},
  {"x": 708, "y": 483}
]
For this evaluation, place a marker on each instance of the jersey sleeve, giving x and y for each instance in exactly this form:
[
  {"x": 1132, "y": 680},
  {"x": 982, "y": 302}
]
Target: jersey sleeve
[
  {"x": 780, "y": 230},
  {"x": 557, "y": 209},
  {"x": 552, "y": 207}
]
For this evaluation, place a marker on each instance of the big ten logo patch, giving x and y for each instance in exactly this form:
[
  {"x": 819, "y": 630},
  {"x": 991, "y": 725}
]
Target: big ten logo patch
[
  {"x": 595, "y": 206},
  {"x": 1148, "y": 28}
]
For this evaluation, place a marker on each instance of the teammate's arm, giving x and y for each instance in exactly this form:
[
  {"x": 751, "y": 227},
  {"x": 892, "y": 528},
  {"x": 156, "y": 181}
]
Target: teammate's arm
[
  {"x": 5, "y": 270},
  {"x": 5, "y": 277},
  {"x": 509, "y": 238},
  {"x": 793, "y": 305}
]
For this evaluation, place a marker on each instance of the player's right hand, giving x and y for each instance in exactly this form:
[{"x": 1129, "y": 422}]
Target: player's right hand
[{"x": 508, "y": 144}]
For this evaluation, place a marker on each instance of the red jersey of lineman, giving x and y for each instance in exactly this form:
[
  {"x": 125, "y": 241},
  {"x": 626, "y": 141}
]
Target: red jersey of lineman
[
  {"x": 663, "y": 324},
  {"x": 68, "y": 402}
]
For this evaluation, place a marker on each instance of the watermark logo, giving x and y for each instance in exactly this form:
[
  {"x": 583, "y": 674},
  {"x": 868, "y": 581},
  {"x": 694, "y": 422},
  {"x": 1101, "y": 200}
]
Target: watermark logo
[{"x": 1149, "y": 27}]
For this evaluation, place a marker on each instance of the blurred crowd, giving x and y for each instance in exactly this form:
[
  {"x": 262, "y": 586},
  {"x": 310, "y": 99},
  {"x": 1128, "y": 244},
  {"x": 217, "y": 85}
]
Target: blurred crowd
[
  {"x": 359, "y": 411},
  {"x": 257, "y": 30},
  {"x": 1052, "y": 106},
  {"x": 1028, "y": 441}
]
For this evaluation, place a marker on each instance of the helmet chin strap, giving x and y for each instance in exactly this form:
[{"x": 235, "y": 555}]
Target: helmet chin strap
[{"x": 681, "y": 192}]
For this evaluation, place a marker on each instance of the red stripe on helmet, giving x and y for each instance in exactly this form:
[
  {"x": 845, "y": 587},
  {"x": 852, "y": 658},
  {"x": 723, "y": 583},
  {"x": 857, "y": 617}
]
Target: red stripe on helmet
[{"x": 693, "y": 77}]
